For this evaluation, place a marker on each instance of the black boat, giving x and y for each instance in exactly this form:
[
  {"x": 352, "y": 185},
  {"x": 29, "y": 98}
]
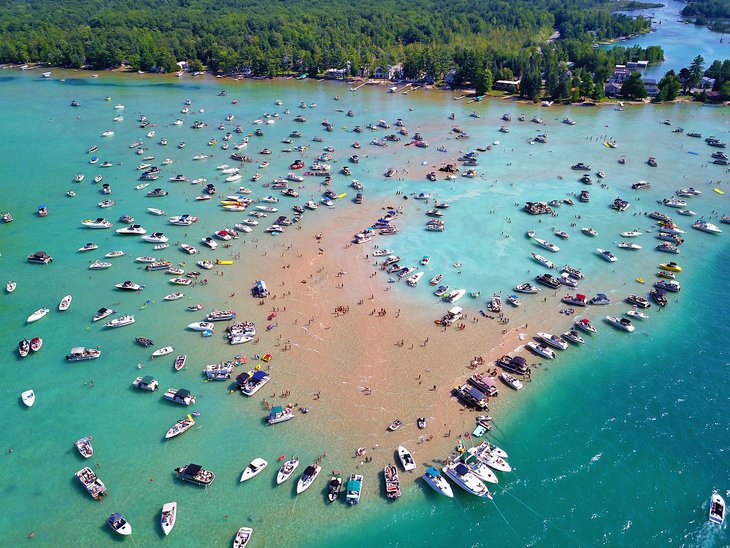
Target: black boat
[
  {"x": 144, "y": 341},
  {"x": 333, "y": 488},
  {"x": 194, "y": 473}
]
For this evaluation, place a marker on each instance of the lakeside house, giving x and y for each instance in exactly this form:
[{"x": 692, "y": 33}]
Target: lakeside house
[
  {"x": 389, "y": 72},
  {"x": 510, "y": 86}
]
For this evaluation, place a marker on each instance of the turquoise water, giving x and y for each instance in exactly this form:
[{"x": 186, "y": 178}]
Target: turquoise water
[
  {"x": 680, "y": 40},
  {"x": 620, "y": 443}
]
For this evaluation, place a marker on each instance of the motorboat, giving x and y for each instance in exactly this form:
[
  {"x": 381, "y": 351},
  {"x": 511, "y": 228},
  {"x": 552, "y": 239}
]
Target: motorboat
[
  {"x": 588, "y": 231},
  {"x": 671, "y": 266},
  {"x": 638, "y": 301},
  {"x": 460, "y": 474},
  {"x": 155, "y": 237},
  {"x": 287, "y": 470},
  {"x": 28, "y": 398},
  {"x": 279, "y": 414},
  {"x": 631, "y": 234},
  {"x": 668, "y": 285},
  {"x": 252, "y": 381},
  {"x": 84, "y": 447},
  {"x": 307, "y": 478},
  {"x": 526, "y": 288},
  {"x": 353, "y": 489},
  {"x": 553, "y": 340},
  {"x": 97, "y": 223},
  {"x": 194, "y": 473},
  {"x": 80, "y": 353},
  {"x": 548, "y": 280},
  {"x": 132, "y": 230},
  {"x": 201, "y": 326},
  {"x": 114, "y": 254},
  {"x": 180, "y": 362},
  {"x": 37, "y": 315},
  {"x": 180, "y": 427},
  {"x": 129, "y": 285},
  {"x": 586, "y": 325},
  {"x": 607, "y": 255},
  {"x": 599, "y": 299},
  {"x": 436, "y": 481},
  {"x": 254, "y": 468},
  {"x": 168, "y": 517},
  {"x": 36, "y": 343},
  {"x": 180, "y": 396},
  {"x": 573, "y": 336},
  {"x": 541, "y": 350},
  {"x": 406, "y": 459},
  {"x": 705, "y": 226},
  {"x": 65, "y": 303},
  {"x": 177, "y": 295},
  {"x": 636, "y": 313},
  {"x": 543, "y": 261},
  {"x": 162, "y": 351},
  {"x": 102, "y": 313},
  {"x": 121, "y": 321},
  {"x": 717, "y": 508},
  {"x": 392, "y": 481},
  {"x": 91, "y": 482},
  {"x": 476, "y": 466},
  {"x": 24, "y": 348},
  {"x": 547, "y": 245},
  {"x": 333, "y": 488},
  {"x": 629, "y": 245},
  {"x": 621, "y": 323},
  {"x": 511, "y": 381},
  {"x": 242, "y": 537},
  {"x": 147, "y": 382},
  {"x": 88, "y": 247}
]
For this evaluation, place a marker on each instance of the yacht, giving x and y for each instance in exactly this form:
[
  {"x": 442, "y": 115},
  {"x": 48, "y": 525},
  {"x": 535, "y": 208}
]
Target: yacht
[
  {"x": 705, "y": 226},
  {"x": 129, "y": 286},
  {"x": 194, "y": 473},
  {"x": 436, "y": 481},
  {"x": 526, "y": 288},
  {"x": 586, "y": 325},
  {"x": 121, "y": 321},
  {"x": 542, "y": 260},
  {"x": 541, "y": 350},
  {"x": 547, "y": 245},
  {"x": 132, "y": 230},
  {"x": 460, "y": 474},
  {"x": 621, "y": 323},
  {"x": 573, "y": 336},
  {"x": 511, "y": 381}
]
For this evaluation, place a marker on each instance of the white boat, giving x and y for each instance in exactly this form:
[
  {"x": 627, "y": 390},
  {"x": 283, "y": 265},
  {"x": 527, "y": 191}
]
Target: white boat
[
  {"x": 10, "y": 286},
  {"x": 705, "y": 226},
  {"x": 585, "y": 325},
  {"x": 460, "y": 474},
  {"x": 511, "y": 381},
  {"x": 133, "y": 230},
  {"x": 553, "y": 340},
  {"x": 174, "y": 296},
  {"x": 477, "y": 467},
  {"x": 102, "y": 313},
  {"x": 542, "y": 260},
  {"x": 547, "y": 245},
  {"x": 168, "y": 517},
  {"x": 84, "y": 447},
  {"x": 413, "y": 280},
  {"x": 310, "y": 474},
  {"x": 406, "y": 459},
  {"x": 255, "y": 467},
  {"x": 121, "y": 321},
  {"x": 37, "y": 315},
  {"x": 286, "y": 470},
  {"x": 201, "y": 326},
  {"x": 28, "y": 398},
  {"x": 99, "y": 265},
  {"x": 621, "y": 323},
  {"x": 493, "y": 460},
  {"x": 454, "y": 295},
  {"x": 162, "y": 351},
  {"x": 88, "y": 247},
  {"x": 629, "y": 245},
  {"x": 155, "y": 237},
  {"x": 607, "y": 255},
  {"x": 242, "y": 537},
  {"x": 180, "y": 427},
  {"x": 717, "y": 508},
  {"x": 65, "y": 303},
  {"x": 114, "y": 254},
  {"x": 146, "y": 382},
  {"x": 630, "y": 234},
  {"x": 96, "y": 223},
  {"x": 188, "y": 249},
  {"x": 128, "y": 286},
  {"x": 436, "y": 481},
  {"x": 155, "y": 211},
  {"x": 541, "y": 349},
  {"x": 636, "y": 313}
]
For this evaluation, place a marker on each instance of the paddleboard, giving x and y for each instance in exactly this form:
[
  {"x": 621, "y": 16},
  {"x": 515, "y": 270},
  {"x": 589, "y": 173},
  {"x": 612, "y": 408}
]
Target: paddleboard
[
  {"x": 479, "y": 431},
  {"x": 719, "y": 191}
]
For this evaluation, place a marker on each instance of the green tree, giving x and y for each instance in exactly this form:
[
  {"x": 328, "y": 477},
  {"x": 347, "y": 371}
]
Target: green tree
[
  {"x": 696, "y": 70},
  {"x": 669, "y": 87},
  {"x": 484, "y": 82},
  {"x": 633, "y": 87},
  {"x": 586, "y": 84}
]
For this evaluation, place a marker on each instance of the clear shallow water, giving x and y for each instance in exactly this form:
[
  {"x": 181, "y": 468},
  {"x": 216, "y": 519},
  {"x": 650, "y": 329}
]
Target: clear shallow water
[
  {"x": 632, "y": 422},
  {"x": 680, "y": 40}
]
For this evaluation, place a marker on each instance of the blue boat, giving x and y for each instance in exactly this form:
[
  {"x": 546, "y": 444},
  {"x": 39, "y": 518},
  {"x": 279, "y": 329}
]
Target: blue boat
[{"x": 354, "y": 488}]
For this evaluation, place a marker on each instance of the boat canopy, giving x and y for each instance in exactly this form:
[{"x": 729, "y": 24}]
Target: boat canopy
[
  {"x": 147, "y": 379},
  {"x": 192, "y": 469},
  {"x": 354, "y": 485},
  {"x": 310, "y": 470},
  {"x": 432, "y": 471},
  {"x": 489, "y": 381},
  {"x": 461, "y": 469},
  {"x": 580, "y": 297},
  {"x": 182, "y": 393},
  {"x": 455, "y": 311},
  {"x": 476, "y": 394},
  {"x": 242, "y": 378},
  {"x": 519, "y": 360},
  {"x": 276, "y": 410},
  {"x": 78, "y": 350},
  {"x": 260, "y": 375}
]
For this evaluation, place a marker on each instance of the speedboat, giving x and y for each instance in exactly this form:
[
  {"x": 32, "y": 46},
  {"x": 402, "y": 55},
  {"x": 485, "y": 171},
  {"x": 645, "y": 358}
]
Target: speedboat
[
  {"x": 333, "y": 488},
  {"x": 585, "y": 325},
  {"x": 162, "y": 351},
  {"x": 121, "y": 321},
  {"x": 180, "y": 427},
  {"x": 573, "y": 336},
  {"x": 607, "y": 255},
  {"x": 638, "y": 301},
  {"x": 547, "y": 245},
  {"x": 254, "y": 468},
  {"x": 310, "y": 474},
  {"x": 464, "y": 478},
  {"x": 705, "y": 226},
  {"x": 91, "y": 482},
  {"x": 671, "y": 266},
  {"x": 129, "y": 286},
  {"x": 134, "y": 230},
  {"x": 37, "y": 315},
  {"x": 621, "y": 323},
  {"x": 406, "y": 459},
  {"x": 541, "y": 349},
  {"x": 286, "y": 470},
  {"x": 629, "y": 245},
  {"x": 147, "y": 382},
  {"x": 97, "y": 223},
  {"x": 174, "y": 297},
  {"x": 526, "y": 288},
  {"x": 83, "y": 445},
  {"x": 392, "y": 481},
  {"x": 511, "y": 381},
  {"x": 10, "y": 286},
  {"x": 477, "y": 467},
  {"x": 436, "y": 481},
  {"x": 118, "y": 524},
  {"x": 717, "y": 508},
  {"x": 24, "y": 348},
  {"x": 88, "y": 247},
  {"x": 155, "y": 237},
  {"x": 28, "y": 398},
  {"x": 102, "y": 313},
  {"x": 636, "y": 313},
  {"x": 278, "y": 413},
  {"x": 201, "y": 326},
  {"x": 542, "y": 260},
  {"x": 194, "y": 473},
  {"x": 553, "y": 340},
  {"x": 168, "y": 517},
  {"x": 180, "y": 396},
  {"x": 242, "y": 537},
  {"x": 65, "y": 303},
  {"x": 630, "y": 234}
]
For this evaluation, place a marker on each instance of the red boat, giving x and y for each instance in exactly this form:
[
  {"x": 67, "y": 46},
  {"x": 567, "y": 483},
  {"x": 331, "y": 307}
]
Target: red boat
[
  {"x": 36, "y": 343},
  {"x": 297, "y": 165}
]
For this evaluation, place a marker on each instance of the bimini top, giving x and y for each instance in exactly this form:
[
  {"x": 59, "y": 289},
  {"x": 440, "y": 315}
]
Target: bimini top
[
  {"x": 476, "y": 394},
  {"x": 260, "y": 375},
  {"x": 310, "y": 470},
  {"x": 182, "y": 393},
  {"x": 147, "y": 379},
  {"x": 461, "y": 469},
  {"x": 519, "y": 360},
  {"x": 275, "y": 411},
  {"x": 193, "y": 469},
  {"x": 354, "y": 485},
  {"x": 432, "y": 471}
]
